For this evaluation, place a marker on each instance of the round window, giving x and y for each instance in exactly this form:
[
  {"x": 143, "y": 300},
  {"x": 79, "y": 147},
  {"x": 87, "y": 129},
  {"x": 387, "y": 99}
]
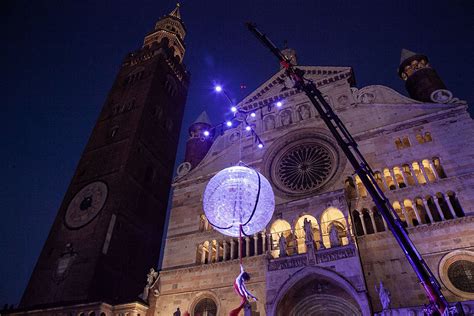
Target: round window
[
  {"x": 456, "y": 270},
  {"x": 302, "y": 164}
]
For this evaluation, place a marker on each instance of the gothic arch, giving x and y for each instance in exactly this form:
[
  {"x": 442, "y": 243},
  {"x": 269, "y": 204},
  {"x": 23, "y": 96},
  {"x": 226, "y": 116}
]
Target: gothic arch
[
  {"x": 201, "y": 296},
  {"x": 334, "y": 278}
]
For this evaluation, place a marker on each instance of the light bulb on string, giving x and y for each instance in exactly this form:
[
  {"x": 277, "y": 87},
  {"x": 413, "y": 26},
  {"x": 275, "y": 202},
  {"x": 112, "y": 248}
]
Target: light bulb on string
[
  {"x": 218, "y": 88},
  {"x": 206, "y": 133},
  {"x": 260, "y": 145},
  {"x": 279, "y": 104},
  {"x": 228, "y": 123},
  {"x": 233, "y": 109},
  {"x": 253, "y": 114},
  {"x": 248, "y": 128}
]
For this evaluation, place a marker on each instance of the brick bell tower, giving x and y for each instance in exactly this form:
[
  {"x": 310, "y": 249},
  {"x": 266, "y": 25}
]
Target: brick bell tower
[
  {"x": 421, "y": 80},
  {"x": 108, "y": 230}
]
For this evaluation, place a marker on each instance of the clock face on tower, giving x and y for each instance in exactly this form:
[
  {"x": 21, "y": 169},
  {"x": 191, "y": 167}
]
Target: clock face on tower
[{"x": 85, "y": 205}]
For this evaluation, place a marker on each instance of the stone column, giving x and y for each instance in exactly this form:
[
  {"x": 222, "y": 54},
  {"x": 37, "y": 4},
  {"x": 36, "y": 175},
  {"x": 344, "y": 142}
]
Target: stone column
[
  {"x": 423, "y": 172},
  {"x": 403, "y": 177},
  {"x": 255, "y": 244},
  {"x": 232, "y": 248},
  {"x": 264, "y": 238},
  {"x": 209, "y": 254},
  {"x": 394, "y": 179},
  {"x": 435, "y": 173},
  {"x": 247, "y": 246},
  {"x": 372, "y": 219},
  {"x": 385, "y": 223},
  {"x": 413, "y": 174},
  {"x": 416, "y": 212},
  {"x": 384, "y": 181},
  {"x": 361, "y": 216},
  {"x": 269, "y": 244},
  {"x": 203, "y": 255},
  {"x": 224, "y": 246},
  {"x": 348, "y": 231},
  {"x": 407, "y": 218},
  {"x": 451, "y": 209},
  {"x": 239, "y": 244},
  {"x": 440, "y": 211},
  {"x": 321, "y": 243},
  {"x": 427, "y": 209}
]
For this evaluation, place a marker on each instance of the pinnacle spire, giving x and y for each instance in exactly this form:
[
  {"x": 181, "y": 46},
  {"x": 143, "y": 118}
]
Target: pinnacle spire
[
  {"x": 203, "y": 118},
  {"x": 176, "y": 12},
  {"x": 406, "y": 54}
]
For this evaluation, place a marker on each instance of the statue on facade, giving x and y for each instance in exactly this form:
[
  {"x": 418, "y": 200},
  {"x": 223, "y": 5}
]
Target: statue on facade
[
  {"x": 384, "y": 296},
  {"x": 285, "y": 118},
  {"x": 308, "y": 231},
  {"x": 282, "y": 244},
  {"x": 304, "y": 112},
  {"x": 151, "y": 279},
  {"x": 334, "y": 237},
  {"x": 269, "y": 123}
]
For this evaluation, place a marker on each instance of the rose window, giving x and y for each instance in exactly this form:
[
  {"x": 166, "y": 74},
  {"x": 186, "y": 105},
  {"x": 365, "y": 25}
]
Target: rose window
[{"x": 305, "y": 168}]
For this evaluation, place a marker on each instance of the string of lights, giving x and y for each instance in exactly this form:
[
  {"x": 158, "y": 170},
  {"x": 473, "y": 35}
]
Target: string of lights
[{"x": 239, "y": 116}]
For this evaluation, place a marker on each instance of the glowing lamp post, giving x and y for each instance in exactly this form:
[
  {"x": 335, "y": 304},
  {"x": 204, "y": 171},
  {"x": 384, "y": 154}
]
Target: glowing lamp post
[{"x": 238, "y": 196}]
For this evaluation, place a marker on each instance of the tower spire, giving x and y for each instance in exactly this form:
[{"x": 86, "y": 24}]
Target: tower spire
[
  {"x": 169, "y": 28},
  {"x": 176, "y": 12}
]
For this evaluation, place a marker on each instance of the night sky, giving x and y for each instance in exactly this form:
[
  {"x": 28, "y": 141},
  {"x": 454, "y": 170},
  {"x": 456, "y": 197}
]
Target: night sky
[{"x": 59, "y": 59}]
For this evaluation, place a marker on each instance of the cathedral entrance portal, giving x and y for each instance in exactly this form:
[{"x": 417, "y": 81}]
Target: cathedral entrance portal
[{"x": 309, "y": 293}]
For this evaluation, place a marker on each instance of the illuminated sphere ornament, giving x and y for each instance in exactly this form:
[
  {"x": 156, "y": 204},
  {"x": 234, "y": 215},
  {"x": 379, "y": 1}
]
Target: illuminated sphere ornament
[{"x": 238, "y": 196}]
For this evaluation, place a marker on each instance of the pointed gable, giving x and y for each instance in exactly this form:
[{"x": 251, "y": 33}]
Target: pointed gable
[{"x": 275, "y": 87}]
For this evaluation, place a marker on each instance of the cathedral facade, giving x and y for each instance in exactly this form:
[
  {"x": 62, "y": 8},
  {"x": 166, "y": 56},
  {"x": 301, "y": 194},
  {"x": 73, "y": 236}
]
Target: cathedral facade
[{"x": 327, "y": 250}]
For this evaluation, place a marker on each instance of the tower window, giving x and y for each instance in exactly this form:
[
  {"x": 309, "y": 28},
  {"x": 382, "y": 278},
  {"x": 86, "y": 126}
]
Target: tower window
[{"x": 406, "y": 142}]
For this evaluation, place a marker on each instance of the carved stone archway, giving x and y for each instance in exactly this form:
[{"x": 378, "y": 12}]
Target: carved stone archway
[{"x": 318, "y": 291}]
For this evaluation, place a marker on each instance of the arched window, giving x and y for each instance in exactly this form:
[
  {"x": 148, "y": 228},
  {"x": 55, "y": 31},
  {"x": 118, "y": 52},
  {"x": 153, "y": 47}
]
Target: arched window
[
  {"x": 406, "y": 142},
  {"x": 407, "y": 172},
  {"x": 205, "y": 307},
  {"x": 439, "y": 168},
  {"x": 398, "y": 209},
  {"x": 420, "y": 138},
  {"x": 411, "y": 212},
  {"x": 428, "y": 137},
  {"x": 455, "y": 204},
  {"x": 399, "y": 177},
  {"x": 378, "y": 220},
  {"x": 419, "y": 175},
  {"x": 433, "y": 209},
  {"x": 420, "y": 207},
  {"x": 398, "y": 143},
  {"x": 379, "y": 180},
  {"x": 367, "y": 221},
  {"x": 388, "y": 179},
  {"x": 206, "y": 247},
  {"x": 330, "y": 217},
  {"x": 429, "y": 172},
  {"x": 278, "y": 228},
  {"x": 444, "y": 206},
  {"x": 301, "y": 234},
  {"x": 359, "y": 230}
]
